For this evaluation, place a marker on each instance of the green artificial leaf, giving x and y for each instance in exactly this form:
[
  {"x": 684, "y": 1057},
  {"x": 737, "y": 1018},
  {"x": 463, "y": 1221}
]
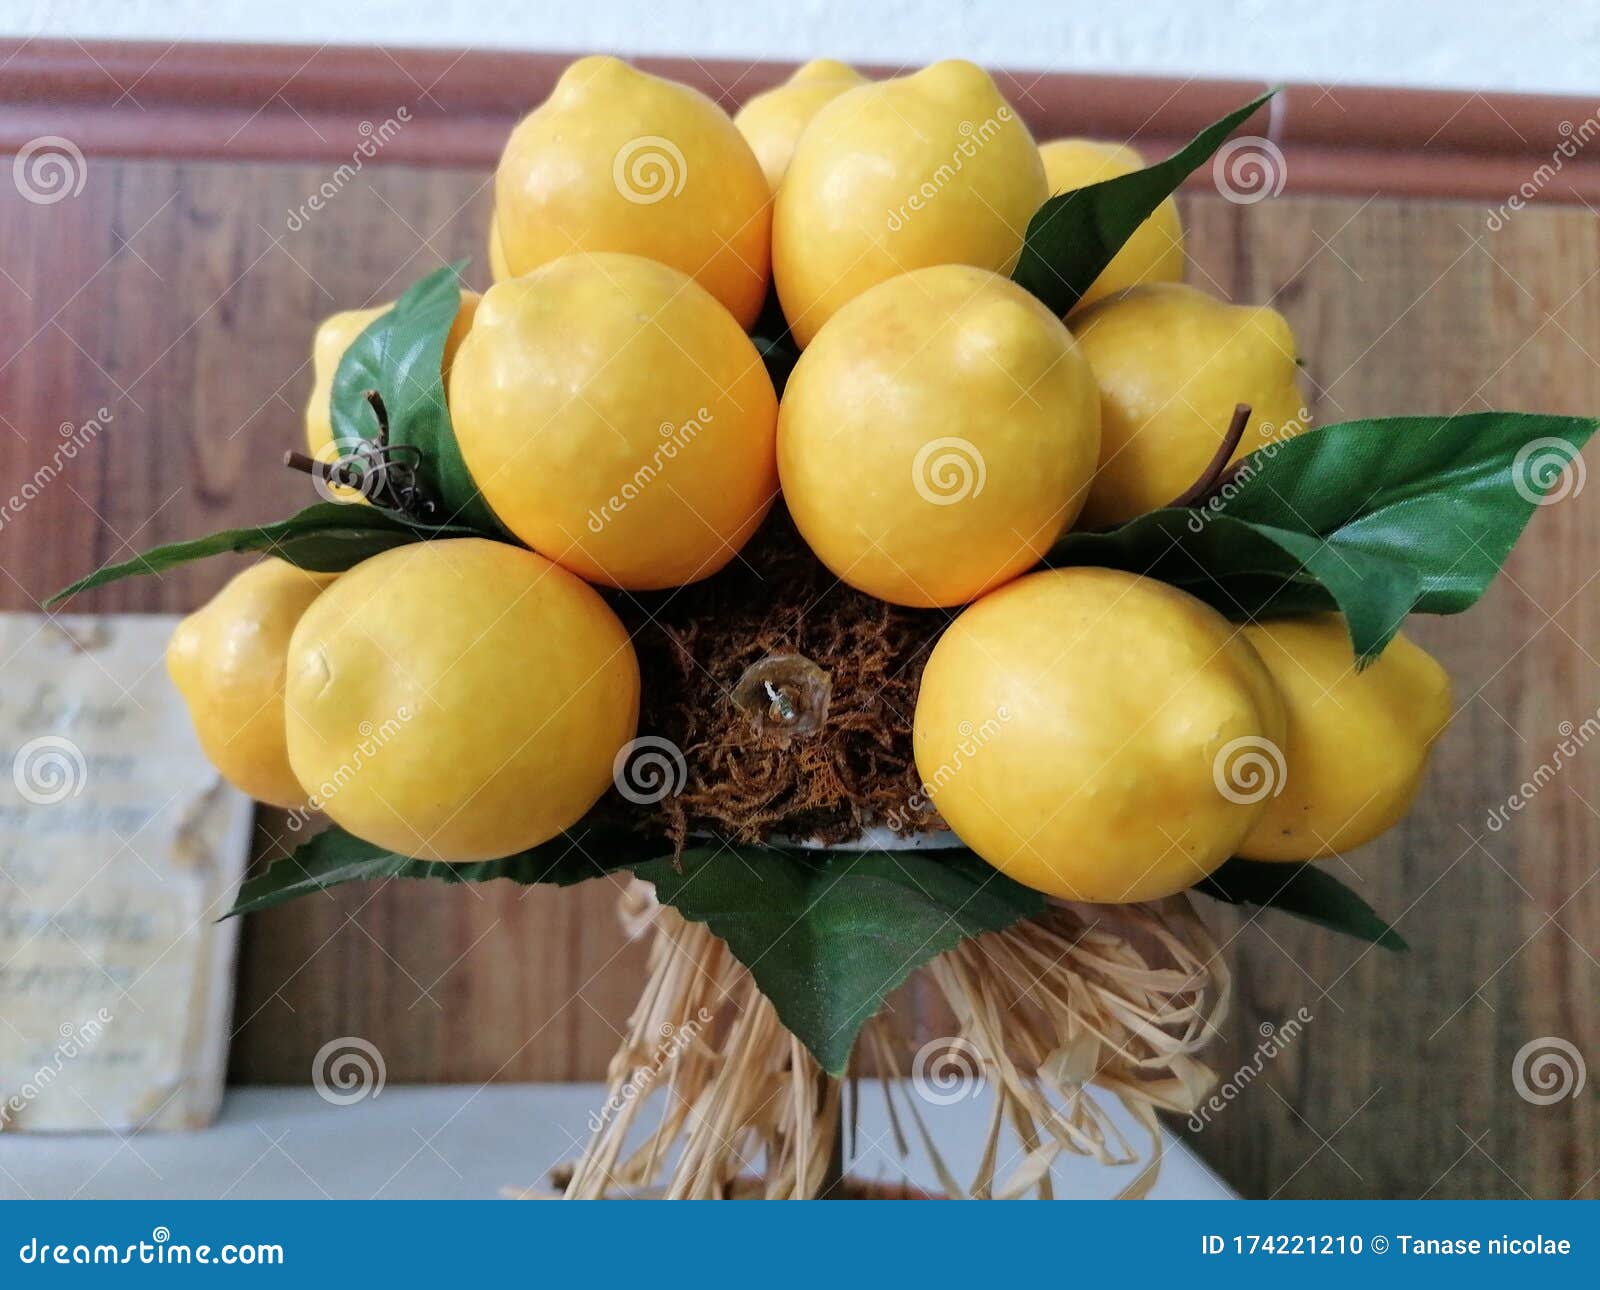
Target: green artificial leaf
[
  {"x": 401, "y": 355},
  {"x": 1249, "y": 571},
  {"x": 1074, "y": 235},
  {"x": 1376, "y": 519},
  {"x": 1447, "y": 496},
  {"x": 335, "y": 857},
  {"x": 827, "y": 934},
  {"x": 326, "y": 538},
  {"x": 1302, "y": 890}
]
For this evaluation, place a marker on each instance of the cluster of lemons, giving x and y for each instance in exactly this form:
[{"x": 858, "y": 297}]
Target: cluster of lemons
[{"x": 1082, "y": 729}]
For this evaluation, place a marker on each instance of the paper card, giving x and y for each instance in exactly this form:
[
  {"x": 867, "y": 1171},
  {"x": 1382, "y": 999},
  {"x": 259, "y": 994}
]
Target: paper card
[{"x": 119, "y": 849}]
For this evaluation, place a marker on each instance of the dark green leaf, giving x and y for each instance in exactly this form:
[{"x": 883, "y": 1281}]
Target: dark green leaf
[
  {"x": 1447, "y": 496},
  {"x": 827, "y": 934},
  {"x": 401, "y": 355},
  {"x": 1376, "y": 519},
  {"x": 1247, "y": 570},
  {"x": 335, "y": 857},
  {"x": 1304, "y": 891},
  {"x": 1073, "y": 236},
  {"x": 325, "y": 538},
  {"x": 773, "y": 342},
  {"x": 780, "y": 355}
]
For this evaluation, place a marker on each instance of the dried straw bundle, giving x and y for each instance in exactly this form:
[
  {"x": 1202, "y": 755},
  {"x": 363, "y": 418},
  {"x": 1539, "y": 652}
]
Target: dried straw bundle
[{"x": 1123, "y": 997}]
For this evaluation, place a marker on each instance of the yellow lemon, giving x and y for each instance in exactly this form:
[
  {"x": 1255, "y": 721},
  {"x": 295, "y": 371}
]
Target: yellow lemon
[
  {"x": 1172, "y": 363},
  {"x": 933, "y": 168},
  {"x": 333, "y": 337},
  {"x": 1155, "y": 251},
  {"x": 1070, "y": 728},
  {"x": 1356, "y": 743},
  {"x": 459, "y": 700},
  {"x": 619, "y": 160},
  {"x": 499, "y": 270},
  {"x": 772, "y": 122},
  {"x": 937, "y": 436},
  {"x": 617, "y": 419},
  {"x": 227, "y": 660}
]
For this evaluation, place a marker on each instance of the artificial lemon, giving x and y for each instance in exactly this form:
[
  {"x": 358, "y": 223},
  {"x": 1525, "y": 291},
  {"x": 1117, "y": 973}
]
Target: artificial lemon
[
  {"x": 934, "y": 168},
  {"x": 499, "y": 270},
  {"x": 1070, "y": 728},
  {"x": 937, "y": 436},
  {"x": 772, "y": 122},
  {"x": 1356, "y": 742},
  {"x": 1172, "y": 363},
  {"x": 458, "y": 700},
  {"x": 619, "y": 160},
  {"x": 617, "y": 419},
  {"x": 227, "y": 660},
  {"x": 334, "y": 336},
  {"x": 1154, "y": 253}
]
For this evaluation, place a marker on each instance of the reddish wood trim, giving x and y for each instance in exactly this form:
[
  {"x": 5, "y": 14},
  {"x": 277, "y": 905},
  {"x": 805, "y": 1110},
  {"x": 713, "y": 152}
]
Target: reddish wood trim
[{"x": 296, "y": 103}]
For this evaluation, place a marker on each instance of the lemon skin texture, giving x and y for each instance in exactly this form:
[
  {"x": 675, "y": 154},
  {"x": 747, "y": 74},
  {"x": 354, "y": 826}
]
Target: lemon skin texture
[
  {"x": 619, "y": 160},
  {"x": 933, "y": 168},
  {"x": 499, "y": 270},
  {"x": 334, "y": 336},
  {"x": 1155, "y": 251},
  {"x": 617, "y": 419},
  {"x": 772, "y": 122},
  {"x": 227, "y": 660},
  {"x": 459, "y": 700},
  {"x": 1356, "y": 743},
  {"x": 1172, "y": 363},
  {"x": 1068, "y": 728},
  {"x": 937, "y": 436}
]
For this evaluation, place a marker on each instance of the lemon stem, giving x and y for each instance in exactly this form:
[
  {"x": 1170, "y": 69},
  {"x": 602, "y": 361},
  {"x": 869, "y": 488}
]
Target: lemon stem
[
  {"x": 307, "y": 465},
  {"x": 1211, "y": 477},
  {"x": 382, "y": 413}
]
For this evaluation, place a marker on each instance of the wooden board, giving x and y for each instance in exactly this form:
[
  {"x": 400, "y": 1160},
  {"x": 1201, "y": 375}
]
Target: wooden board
[{"x": 174, "y": 295}]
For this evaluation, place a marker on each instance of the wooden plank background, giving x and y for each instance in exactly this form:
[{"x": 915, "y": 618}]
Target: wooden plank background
[{"x": 175, "y": 296}]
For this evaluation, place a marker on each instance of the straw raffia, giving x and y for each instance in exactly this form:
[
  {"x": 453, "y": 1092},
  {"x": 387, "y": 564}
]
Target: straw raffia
[{"x": 1121, "y": 997}]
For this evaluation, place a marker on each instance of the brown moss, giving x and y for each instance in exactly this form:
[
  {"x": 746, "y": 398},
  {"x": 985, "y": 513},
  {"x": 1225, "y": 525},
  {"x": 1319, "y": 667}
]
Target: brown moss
[{"x": 749, "y": 783}]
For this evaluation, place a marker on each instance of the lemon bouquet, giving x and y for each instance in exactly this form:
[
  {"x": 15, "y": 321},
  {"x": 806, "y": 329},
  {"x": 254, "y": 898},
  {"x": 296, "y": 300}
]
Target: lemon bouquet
[{"x": 843, "y": 520}]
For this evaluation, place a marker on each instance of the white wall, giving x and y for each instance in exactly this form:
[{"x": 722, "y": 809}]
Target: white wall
[{"x": 1529, "y": 45}]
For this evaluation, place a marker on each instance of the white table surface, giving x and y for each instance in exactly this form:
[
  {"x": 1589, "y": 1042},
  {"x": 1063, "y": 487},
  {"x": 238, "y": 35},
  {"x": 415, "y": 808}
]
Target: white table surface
[{"x": 453, "y": 1142}]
